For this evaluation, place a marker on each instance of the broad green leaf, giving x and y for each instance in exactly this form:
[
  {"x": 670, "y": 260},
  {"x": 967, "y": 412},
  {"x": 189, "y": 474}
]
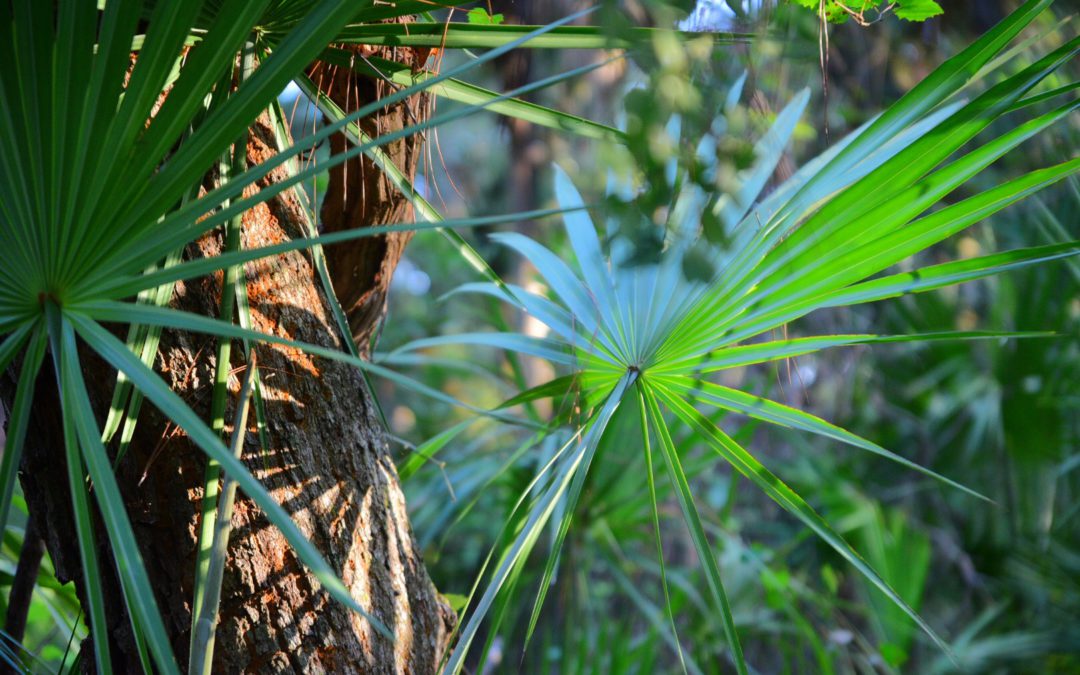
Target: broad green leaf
[
  {"x": 917, "y": 10},
  {"x": 479, "y": 15}
]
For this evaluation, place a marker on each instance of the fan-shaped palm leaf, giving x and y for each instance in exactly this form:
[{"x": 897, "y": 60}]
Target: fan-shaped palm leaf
[{"x": 649, "y": 333}]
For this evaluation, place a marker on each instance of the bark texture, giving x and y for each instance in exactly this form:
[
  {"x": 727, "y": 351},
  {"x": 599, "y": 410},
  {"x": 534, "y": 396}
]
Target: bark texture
[
  {"x": 327, "y": 460},
  {"x": 360, "y": 195}
]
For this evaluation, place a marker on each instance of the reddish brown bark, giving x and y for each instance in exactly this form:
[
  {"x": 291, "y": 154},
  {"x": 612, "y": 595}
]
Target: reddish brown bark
[{"x": 360, "y": 195}]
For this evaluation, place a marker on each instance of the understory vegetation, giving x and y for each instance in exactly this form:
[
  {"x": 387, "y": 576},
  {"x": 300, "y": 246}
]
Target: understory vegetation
[{"x": 734, "y": 336}]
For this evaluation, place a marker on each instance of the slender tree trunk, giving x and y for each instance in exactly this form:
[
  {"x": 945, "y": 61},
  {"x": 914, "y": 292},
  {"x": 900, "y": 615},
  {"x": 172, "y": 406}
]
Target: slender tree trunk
[{"x": 327, "y": 460}]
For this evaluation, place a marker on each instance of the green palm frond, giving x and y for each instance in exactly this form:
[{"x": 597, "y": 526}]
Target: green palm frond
[
  {"x": 650, "y": 334},
  {"x": 85, "y": 171}
]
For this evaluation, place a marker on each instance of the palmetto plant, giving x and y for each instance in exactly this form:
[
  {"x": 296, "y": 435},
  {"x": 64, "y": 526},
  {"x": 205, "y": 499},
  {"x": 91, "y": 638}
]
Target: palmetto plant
[
  {"x": 101, "y": 164},
  {"x": 644, "y": 340}
]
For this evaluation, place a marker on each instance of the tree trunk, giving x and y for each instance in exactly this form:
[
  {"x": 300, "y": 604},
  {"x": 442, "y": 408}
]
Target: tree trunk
[
  {"x": 360, "y": 195},
  {"x": 327, "y": 460}
]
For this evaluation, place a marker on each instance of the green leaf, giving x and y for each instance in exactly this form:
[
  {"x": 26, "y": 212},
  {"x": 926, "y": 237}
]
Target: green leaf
[
  {"x": 655, "y": 508},
  {"x": 456, "y": 35},
  {"x": 775, "y": 350},
  {"x": 429, "y": 448},
  {"x": 185, "y": 224},
  {"x": 693, "y": 523},
  {"x": 13, "y": 343},
  {"x": 583, "y": 307},
  {"x": 745, "y": 464},
  {"x": 591, "y": 261},
  {"x": 79, "y": 415},
  {"x": 559, "y": 320},
  {"x": 402, "y": 182},
  {"x": 479, "y": 15},
  {"x": 208, "y": 593},
  {"x": 948, "y": 274},
  {"x": 462, "y": 92},
  {"x": 560, "y": 386},
  {"x": 767, "y": 153},
  {"x": 17, "y": 421},
  {"x": 114, "y": 352},
  {"x": 231, "y": 164},
  {"x": 775, "y": 413},
  {"x": 229, "y": 121},
  {"x": 917, "y": 10},
  {"x": 550, "y": 350},
  {"x": 84, "y": 532},
  {"x": 933, "y": 90},
  {"x": 538, "y": 518},
  {"x": 876, "y": 239},
  {"x": 795, "y": 300}
]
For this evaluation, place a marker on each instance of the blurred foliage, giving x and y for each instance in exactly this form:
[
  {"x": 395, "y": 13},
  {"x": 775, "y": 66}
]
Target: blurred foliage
[{"x": 54, "y": 622}]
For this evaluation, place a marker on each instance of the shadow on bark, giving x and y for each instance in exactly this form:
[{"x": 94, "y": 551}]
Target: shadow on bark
[{"x": 327, "y": 463}]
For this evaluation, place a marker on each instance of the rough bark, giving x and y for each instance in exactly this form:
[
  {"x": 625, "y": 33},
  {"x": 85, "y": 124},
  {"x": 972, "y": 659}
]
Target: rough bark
[
  {"x": 360, "y": 195},
  {"x": 327, "y": 462}
]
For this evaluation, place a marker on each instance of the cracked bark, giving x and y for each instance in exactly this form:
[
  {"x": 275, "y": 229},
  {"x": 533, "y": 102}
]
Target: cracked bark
[{"x": 327, "y": 462}]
